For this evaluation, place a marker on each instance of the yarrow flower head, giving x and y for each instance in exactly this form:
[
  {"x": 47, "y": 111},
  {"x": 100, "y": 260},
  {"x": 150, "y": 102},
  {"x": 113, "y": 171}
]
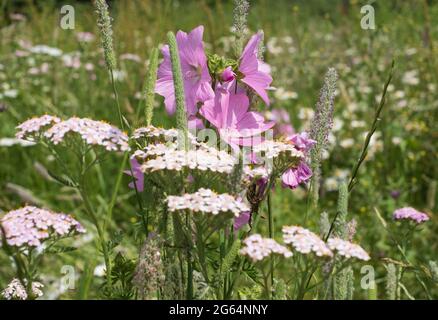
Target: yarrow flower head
[
  {"x": 16, "y": 291},
  {"x": 156, "y": 135},
  {"x": 257, "y": 248},
  {"x": 279, "y": 155},
  {"x": 93, "y": 132},
  {"x": 347, "y": 249},
  {"x": 30, "y": 226},
  {"x": 207, "y": 201},
  {"x": 253, "y": 173},
  {"x": 152, "y": 132},
  {"x": 409, "y": 213},
  {"x": 272, "y": 149},
  {"x": 169, "y": 158},
  {"x": 305, "y": 241},
  {"x": 33, "y": 126},
  {"x": 197, "y": 80}
]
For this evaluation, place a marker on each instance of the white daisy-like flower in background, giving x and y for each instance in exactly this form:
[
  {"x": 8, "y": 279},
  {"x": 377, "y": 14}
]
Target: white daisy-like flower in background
[{"x": 43, "y": 49}]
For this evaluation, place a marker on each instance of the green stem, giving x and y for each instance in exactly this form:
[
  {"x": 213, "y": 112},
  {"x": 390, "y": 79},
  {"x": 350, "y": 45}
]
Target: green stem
[
  {"x": 100, "y": 232},
  {"x": 271, "y": 235},
  {"x": 255, "y": 216},
  {"x": 116, "y": 97},
  {"x": 189, "y": 264},
  {"x": 82, "y": 188},
  {"x": 115, "y": 191},
  {"x": 379, "y": 109}
]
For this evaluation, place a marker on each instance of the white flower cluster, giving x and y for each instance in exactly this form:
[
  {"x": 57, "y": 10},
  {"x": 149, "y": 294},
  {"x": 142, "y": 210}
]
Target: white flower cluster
[
  {"x": 202, "y": 159},
  {"x": 31, "y": 126},
  {"x": 347, "y": 249},
  {"x": 254, "y": 172},
  {"x": 93, "y": 132},
  {"x": 161, "y": 134},
  {"x": 207, "y": 201},
  {"x": 16, "y": 291},
  {"x": 257, "y": 248},
  {"x": 273, "y": 148},
  {"x": 305, "y": 241},
  {"x": 31, "y": 226},
  {"x": 158, "y": 149},
  {"x": 154, "y": 132}
]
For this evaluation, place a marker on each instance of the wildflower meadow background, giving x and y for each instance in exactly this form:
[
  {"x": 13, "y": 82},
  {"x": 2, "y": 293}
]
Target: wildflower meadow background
[{"x": 208, "y": 149}]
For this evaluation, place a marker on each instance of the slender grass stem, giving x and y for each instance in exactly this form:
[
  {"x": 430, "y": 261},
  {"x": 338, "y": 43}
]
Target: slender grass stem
[
  {"x": 116, "y": 190},
  {"x": 122, "y": 120},
  {"x": 100, "y": 232},
  {"x": 373, "y": 129},
  {"x": 271, "y": 235},
  {"x": 353, "y": 179},
  {"x": 189, "y": 264}
]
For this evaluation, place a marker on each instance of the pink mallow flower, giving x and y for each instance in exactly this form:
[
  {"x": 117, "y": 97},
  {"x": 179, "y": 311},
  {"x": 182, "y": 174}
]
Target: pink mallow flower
[
  {"x": 137, "y": 174},
  {"x": 292, "y": 177},
  {"x": 228, "y": 74},
  {"x": 236, "y": 125},
  {"x": 255, "y": 72},
  {"x": 283, "y": 126},
  {"x": 197, "y": 80},
  {"x": 302, "y": 141},
  {"x": 241, "y": 220},
  {"x": 409, "y": 213}
]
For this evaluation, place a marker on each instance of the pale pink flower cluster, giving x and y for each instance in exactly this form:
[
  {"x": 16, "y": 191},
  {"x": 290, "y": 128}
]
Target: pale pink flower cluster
[
  {"x": 154, "y": 132},
  {"x": 93, "y": 132},
  {"x": 347, "y": 249},
  {"x": 254, "y": 172},
  {"x": 202, "y": 159},
  {"x": 409, "y": 213},
  {"x": 207, "y": 201},
  {"x": 30, "y": 226},
  {"x": 273, "y": 148},
  {"x": 164, "y": 135},
  {"x": 305, "y": 241},
  {"x": 34, "y": 125},
  {"x": 257, "y": 248},
  {"x": 16, "y": 291},
  {"x": 156, "y": 150}
]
